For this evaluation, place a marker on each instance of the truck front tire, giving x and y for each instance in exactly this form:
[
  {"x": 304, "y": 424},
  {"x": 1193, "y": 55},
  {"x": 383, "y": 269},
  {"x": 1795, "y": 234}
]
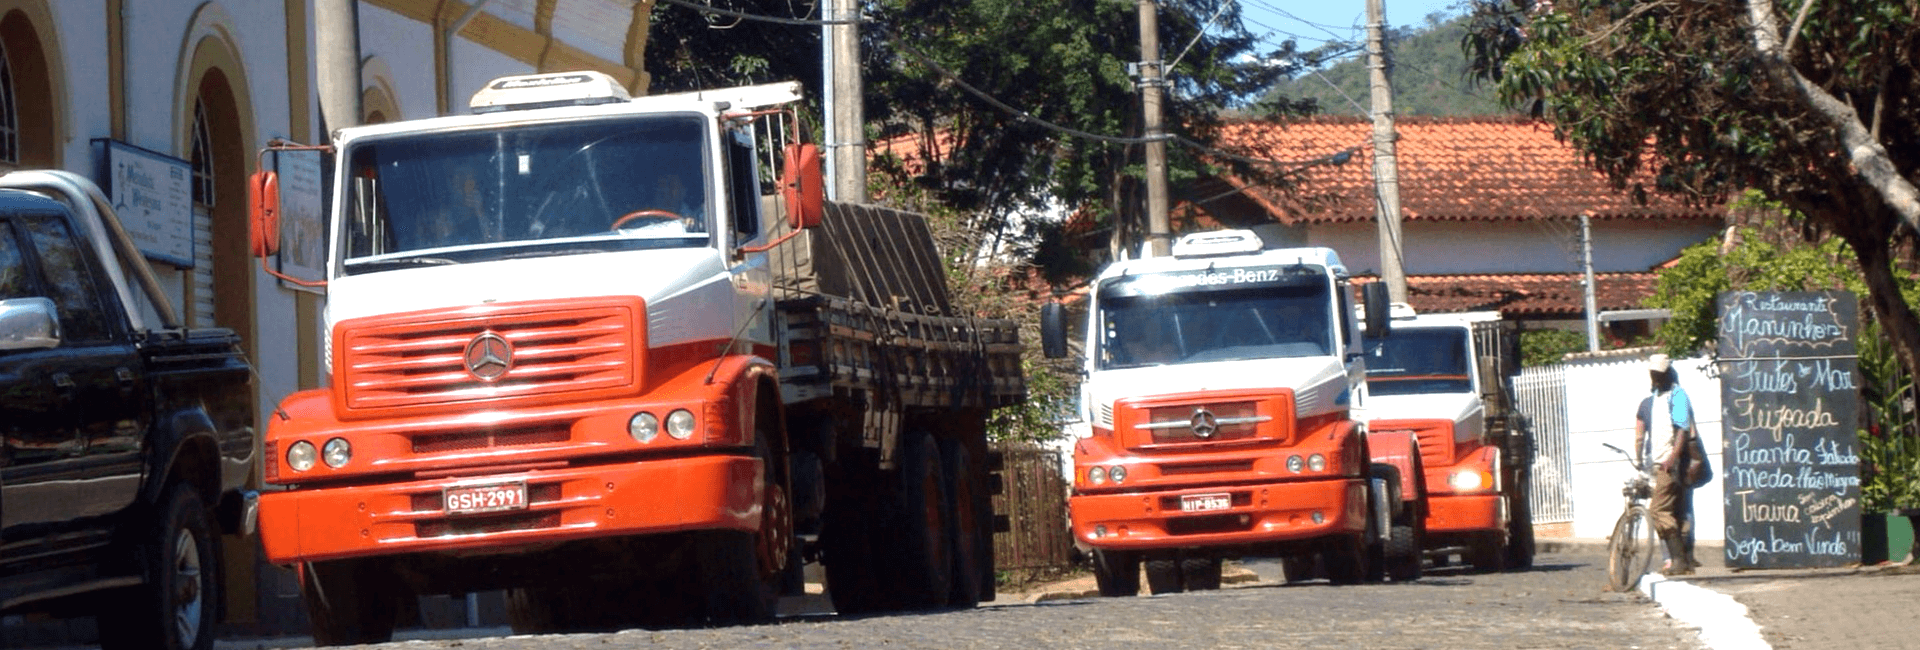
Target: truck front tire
[
  {"x": 174, "y": 609},
  {"x": 349, "y": 602},
  {"x": 1117, "y": 573}
]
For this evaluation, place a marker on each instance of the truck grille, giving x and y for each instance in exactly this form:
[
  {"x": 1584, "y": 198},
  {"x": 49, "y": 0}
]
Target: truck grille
[
  {"x": 1435, "y": 436},
  {"x": 418, "y": 359}
]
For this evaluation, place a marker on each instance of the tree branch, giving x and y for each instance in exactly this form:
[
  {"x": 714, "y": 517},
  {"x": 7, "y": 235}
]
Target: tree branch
[{"x": 1869, "y": 158}]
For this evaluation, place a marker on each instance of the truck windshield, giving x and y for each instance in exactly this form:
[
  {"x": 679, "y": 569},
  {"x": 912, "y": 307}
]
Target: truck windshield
[
  {"x": 1215, "y": 325},
  {"x": 1412, "y": 361},
  {"x": 536, "y": 189}
]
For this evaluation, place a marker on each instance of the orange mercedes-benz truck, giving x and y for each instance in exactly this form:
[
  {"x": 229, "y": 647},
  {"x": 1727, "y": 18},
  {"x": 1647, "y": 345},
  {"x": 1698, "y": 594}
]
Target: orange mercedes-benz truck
[
  {"x": 1221, "y": 388},
  {"x": 618, "y": 357}
]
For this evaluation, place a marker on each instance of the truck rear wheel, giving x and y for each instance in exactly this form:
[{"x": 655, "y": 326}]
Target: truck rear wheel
[
  {"x": 1163, "y": 576},
  {"x": 970, "y": 543},
  {"x": 1520, "y": 544},
  {"x": 850, "y": 543},
  {"x": 1403, "y": 553},
  {"x": 1200, "y": 573},
  {"x": 1345, "y": 560},
  {"x": 920, "y": 558},
  {"x": 1117, "y": 573},
  {"x": 174, "y": 609},
  {"x": 349, "y": 602},
  {"x": 1488, "y": 553}
]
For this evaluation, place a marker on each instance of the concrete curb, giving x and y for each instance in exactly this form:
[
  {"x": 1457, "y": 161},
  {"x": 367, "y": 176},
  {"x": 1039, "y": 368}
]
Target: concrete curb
[{"x": 1723, "y": 621}]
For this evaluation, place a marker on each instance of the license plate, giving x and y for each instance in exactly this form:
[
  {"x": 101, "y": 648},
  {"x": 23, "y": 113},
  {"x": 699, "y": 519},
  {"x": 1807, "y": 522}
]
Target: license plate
[
  {"x": 486, "y": 498},
  {"x": 1205, "y": 502}
]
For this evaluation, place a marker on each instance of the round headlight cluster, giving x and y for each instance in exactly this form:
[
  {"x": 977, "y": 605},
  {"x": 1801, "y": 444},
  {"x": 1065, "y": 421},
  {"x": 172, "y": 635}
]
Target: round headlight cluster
[
  {"x": 1295, "y": 463},
  {"x": 1100, "y": 474},
  {"x": 301, "y": 456},
  {"x": 1317, "y": 463},
  {"x": 680, "y": 424},
  {"x": 336, "y": 453},
  {"x": 644, "y": 427}
]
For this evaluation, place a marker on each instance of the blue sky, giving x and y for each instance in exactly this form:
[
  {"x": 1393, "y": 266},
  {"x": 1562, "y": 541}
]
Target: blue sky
[{"x": 1314, "y": 21}]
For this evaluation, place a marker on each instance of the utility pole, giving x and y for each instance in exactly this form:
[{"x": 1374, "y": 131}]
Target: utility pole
[
  {"x": 846, "y": 117},
  {"x": 1152, "y": 84},
  {"x": 1386, "y": 170},
  {"x": 1586, "y": 268},
  {"x": 337, "y": 32}
]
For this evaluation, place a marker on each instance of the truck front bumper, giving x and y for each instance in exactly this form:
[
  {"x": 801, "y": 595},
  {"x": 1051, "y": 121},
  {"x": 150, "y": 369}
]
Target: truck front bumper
[
  {"x": 564, "y": 504},
  {"x": 1470, "y": 513},
  {"x": 1263, "y": 512}
]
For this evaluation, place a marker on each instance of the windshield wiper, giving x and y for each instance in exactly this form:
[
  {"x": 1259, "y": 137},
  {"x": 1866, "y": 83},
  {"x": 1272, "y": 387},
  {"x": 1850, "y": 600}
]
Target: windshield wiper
[{"x": 403, "y": 262}]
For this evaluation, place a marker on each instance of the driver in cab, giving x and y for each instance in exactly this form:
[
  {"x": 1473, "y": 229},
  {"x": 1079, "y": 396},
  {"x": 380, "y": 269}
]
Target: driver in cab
[{"x": 673, "y": 206}]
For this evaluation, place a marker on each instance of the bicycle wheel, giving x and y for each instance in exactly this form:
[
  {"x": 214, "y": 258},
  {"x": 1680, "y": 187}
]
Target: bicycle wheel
[{"x": 1631, "y": 549}]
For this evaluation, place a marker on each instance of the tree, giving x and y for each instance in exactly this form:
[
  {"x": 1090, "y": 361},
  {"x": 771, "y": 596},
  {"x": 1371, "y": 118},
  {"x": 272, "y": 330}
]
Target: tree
[
  {"x": 1716, "y": 97},
  {"x": 1064, "y": 62}
]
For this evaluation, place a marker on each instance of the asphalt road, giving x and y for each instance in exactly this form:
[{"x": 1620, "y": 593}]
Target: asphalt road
[{"x": 1560, "y": 603}]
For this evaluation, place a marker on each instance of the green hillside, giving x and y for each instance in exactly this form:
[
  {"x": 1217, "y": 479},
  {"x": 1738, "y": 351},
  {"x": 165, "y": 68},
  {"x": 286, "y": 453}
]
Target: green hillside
[{"x": 1429, "y": 76}]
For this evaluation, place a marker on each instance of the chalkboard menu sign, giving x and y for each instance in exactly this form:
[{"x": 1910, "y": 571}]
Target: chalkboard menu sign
[{"x": 1789, "y": 400}]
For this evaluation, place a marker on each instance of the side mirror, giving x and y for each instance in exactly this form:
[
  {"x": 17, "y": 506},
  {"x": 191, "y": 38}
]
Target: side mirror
[
  {"x": 263, "y": 213},
  {"x": 28, "y": 324},
  {"x": 1379, "y": 307},
  {"x": 1053, "y": 330},
  {"x": 803, "y": 186}
]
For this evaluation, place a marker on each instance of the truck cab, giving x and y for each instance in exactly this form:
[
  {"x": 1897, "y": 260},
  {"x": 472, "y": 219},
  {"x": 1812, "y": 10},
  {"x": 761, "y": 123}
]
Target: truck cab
[
  {"x": 1220, "y": 386},
  {"x": 1443, "y": 379}
]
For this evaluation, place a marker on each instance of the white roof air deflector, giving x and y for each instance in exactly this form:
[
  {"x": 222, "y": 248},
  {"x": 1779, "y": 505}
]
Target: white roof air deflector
[{"x": 579, "y": 88}]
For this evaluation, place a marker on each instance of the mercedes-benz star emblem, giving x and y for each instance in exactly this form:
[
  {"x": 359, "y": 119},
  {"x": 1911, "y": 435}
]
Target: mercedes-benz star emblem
[
  {"x": 489, "y": 357},
  {"x": 1204, "y": 423}
]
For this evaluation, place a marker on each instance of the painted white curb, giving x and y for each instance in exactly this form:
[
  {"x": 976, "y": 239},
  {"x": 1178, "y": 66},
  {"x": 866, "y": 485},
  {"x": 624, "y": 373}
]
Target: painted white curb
[{"x": 1723, "y": 621}]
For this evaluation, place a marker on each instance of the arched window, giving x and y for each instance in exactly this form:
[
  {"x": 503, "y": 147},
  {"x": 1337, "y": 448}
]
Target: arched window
[
  {"x": 201, "y": 296},
  {"x": 9, "y": 119}
]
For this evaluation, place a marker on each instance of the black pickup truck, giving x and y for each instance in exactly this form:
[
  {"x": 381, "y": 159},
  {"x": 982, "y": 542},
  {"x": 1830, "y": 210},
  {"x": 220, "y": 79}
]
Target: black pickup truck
[{"x": 127, "y": 439}]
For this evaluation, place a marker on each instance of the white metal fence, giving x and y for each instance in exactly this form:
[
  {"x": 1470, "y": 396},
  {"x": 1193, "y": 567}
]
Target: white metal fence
[{"x": 1540, "y": 393}]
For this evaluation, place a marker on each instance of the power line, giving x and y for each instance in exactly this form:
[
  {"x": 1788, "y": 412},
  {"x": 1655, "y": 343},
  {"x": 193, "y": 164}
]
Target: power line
[{"x": 689, "y": 4}]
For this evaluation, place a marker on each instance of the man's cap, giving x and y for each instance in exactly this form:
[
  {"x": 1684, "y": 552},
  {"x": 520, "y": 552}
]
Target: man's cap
[{"x": 1658, "y": 363}]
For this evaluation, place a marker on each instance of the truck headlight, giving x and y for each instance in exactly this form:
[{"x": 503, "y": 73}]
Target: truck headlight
[
  {"x": 1466, "y": 479},
  {"x": 1117, "y": 473},
  {"x": 1295, "y": 464},
  {"x": 1317, "y": 463},
  {"x": 336, "y": 453},
  {"x": 680, "y": 424},
  {"x": 1097, "y": 475},
  {"x": 644, "y": 427},
  {"x": 301, "y": 455}
]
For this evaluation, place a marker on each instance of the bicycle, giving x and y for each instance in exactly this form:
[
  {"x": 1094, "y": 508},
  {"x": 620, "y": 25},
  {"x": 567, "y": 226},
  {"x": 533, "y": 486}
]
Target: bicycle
[{"x": 1631, "y": 548}]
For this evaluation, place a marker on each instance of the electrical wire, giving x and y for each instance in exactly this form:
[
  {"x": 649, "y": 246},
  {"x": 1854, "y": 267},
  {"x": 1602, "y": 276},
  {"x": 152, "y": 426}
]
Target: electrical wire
[{"x": 690, "y": 4}]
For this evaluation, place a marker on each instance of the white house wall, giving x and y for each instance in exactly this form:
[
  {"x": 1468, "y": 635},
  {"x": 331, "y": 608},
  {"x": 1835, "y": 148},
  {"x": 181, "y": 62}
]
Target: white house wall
[
  {"x": 1472, "y": 247},
  {"x": 1602, "y": 398},
  {"x": 407, "y": 47},
  {"x": 597, "y": 27}
]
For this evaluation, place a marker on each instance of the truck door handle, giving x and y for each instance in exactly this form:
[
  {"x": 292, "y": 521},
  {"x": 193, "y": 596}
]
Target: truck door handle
[{"x": 63, "y": 381}]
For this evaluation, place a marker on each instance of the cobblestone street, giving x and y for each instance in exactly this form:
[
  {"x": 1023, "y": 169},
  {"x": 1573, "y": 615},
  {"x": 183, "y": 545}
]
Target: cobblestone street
[{"x": 1560, "y": 603}]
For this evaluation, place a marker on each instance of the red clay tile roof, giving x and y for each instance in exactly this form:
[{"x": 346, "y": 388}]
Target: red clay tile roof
[
  {"x": 1465, "y": 169},
  {"x": 1533, "y": 295}
]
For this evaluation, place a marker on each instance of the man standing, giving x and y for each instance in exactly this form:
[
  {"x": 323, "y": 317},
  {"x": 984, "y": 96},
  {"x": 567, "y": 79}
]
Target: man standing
[{"x": 1660, "y": 431}]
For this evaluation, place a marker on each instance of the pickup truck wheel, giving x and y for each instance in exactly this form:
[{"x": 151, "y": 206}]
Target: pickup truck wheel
[
  {"x": 1164, "y": 576},
  {"x": 174, "y": 609},
  {"x": 1345, "y": 560},
  {"x": 349, "y": 602},
  {"x": 1117, "y": 573},
  {"x": 921, "y": 560},
  {"x": 1200, "y": 573},
  {"x": 965, "y": 537}
]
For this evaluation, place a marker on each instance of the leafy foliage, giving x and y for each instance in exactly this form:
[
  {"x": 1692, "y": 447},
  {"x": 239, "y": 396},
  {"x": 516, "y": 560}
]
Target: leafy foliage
[
  {"x": 1890, "y": 441},
  {"x": 1548, "y": 346},
  {"x": 1679, "y": 91}
]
